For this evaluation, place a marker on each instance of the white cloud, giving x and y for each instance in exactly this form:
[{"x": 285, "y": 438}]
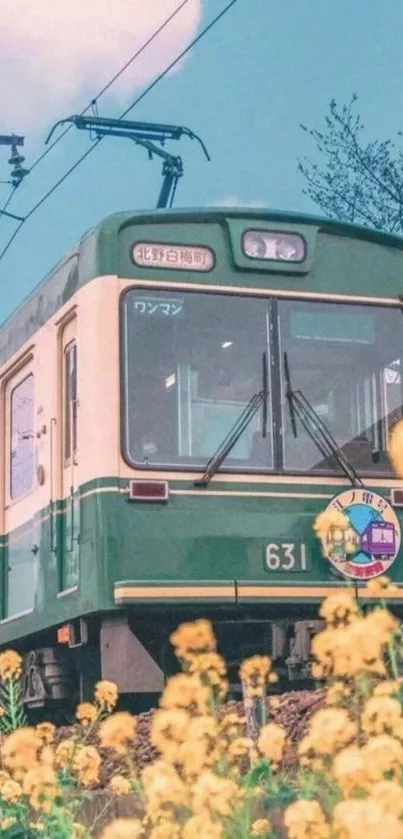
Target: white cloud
[
  {"x": 234, "y": 201},
  {"x": 55, "y": 55}
]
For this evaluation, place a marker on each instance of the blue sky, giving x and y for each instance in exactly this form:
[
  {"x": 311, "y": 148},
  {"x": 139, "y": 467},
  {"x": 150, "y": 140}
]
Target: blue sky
[{"x": 246, "y": 87}]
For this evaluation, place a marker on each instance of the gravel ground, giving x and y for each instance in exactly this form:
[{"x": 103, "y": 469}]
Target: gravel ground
[{"x": 293, "y": 712}]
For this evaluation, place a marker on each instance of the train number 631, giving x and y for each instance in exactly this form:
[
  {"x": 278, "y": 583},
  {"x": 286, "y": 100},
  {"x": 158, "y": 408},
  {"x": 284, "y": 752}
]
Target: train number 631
[{"x": 286, "y": 556}]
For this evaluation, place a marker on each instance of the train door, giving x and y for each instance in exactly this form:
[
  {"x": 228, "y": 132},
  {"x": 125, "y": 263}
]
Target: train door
[
  {"x": 70, "y": 518},
  {"x": 21, "y": 550}
]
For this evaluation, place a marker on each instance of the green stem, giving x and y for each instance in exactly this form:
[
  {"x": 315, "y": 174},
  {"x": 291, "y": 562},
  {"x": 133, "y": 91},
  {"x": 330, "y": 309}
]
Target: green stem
[
  {"x": 13, "y": 693},
  {"x": 392, "y": 658}
]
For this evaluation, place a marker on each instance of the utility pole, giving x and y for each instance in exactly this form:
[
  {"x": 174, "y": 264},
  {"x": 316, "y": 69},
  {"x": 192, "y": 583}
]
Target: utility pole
[{"x": 18, "y": 173}]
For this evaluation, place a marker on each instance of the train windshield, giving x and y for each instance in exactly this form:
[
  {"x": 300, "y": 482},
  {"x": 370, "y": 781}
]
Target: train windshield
[
  {"x": 193, "y": 361},
  {"x": 347, "y": 361}
]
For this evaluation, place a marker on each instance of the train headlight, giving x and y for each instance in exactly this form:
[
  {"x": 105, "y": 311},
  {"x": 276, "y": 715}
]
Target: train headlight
[{"x": 274, "y": 246}]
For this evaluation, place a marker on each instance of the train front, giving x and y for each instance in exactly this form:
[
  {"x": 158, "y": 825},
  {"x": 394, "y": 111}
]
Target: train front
[{"x": 260, "y": 360}]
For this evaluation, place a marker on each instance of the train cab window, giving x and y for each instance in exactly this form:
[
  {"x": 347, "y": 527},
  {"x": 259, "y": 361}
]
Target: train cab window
[
  {"x": 22, "y": 448},
  {"x": 70, "y": 400},
  {"x": 347, "y": 361},
  {"x": 192, "y": 363}
]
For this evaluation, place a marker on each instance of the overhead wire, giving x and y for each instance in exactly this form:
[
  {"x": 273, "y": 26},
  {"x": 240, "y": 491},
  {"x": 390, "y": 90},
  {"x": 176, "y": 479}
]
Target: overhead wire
[
  {"x": 98, "y": 140},
  {"x": 94, "y": 100},
  {"x": 114, "y": 78},
  {"x": 7, "y": 201},
  {"x": 101, "y": 92}
]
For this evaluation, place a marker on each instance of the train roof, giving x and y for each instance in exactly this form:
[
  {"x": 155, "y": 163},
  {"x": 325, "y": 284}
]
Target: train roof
[
  {"x": 114, "y": 222},
  {"x": 96, "y": 254}
]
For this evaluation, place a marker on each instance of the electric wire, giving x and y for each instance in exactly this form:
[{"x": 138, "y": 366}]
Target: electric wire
[
  {"x": 7, "y": 201},
  {"x": 103, "y": 90},
  {"x": 114, "y": 78},
  {"x": 98, "y": 140}
]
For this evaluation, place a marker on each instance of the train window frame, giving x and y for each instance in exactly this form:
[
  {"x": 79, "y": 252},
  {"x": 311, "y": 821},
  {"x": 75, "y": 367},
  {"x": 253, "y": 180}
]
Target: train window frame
[
  {"x": 70, "y": 405},
  {"x": 174, "y": 467},
  {"x": 278, "y": 468},
  {"x": 14, "y": 386},
  {"x": 363, "y": 471}
]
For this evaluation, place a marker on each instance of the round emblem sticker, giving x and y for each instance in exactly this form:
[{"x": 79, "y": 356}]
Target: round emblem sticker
[{"x": 370, "y": 543}]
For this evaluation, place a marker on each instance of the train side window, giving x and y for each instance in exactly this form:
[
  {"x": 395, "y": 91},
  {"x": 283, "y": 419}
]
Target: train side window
[
  {"x": 70, "y": 400},
  {"x": 22, "y": 449}
]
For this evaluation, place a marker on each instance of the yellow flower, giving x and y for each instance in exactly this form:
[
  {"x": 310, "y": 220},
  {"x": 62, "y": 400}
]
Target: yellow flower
[
  {"x": 383, "y": 754},
  {"x": 8, "y": 822},
  {"x": 306, "y": 820},
  {"x": 389, "y": 796},
  {"x": 324, "y": 646},
  {"x": 358, "y": 818},
  {"x": 122, "y": 829},
  {"x": 186, "y": 691},
  {"x": 47, "y": 755},
  {"x": 237, "y": 748},
  {"x": 117, "y": 732},
  {"x": 255, "y": 674},
  {"x": 168, "y": 729},
  {"x": 339, "y": 609},
  {"x": 210, "y": 665},
  {"x": 199, "y": 749},
  {"x": 106, "y": 695},
  {"x": 329, "y": 730},
  {"x": 261, "y": 827},
  {"x": 200, "y": 826},
  {"x": 163, "y": 787},
  {"x": 166, "y": 830},
  {"x": 381, "y": 715},
  {"x": 382, "y": 623},
  {"x": 214, "y": 795},
  {"x": 258, "y": 666},
  {"x": 119, "y": 785},
  {"x": 350, "y": 770},
  {"x": 395, "y": 450},
  {"x": 329, "y": 520},
  {"x": 336, "y": 692},
  {"x": 381, "y": 586},
  {"x": 271, "y": 742},
  {"x": 10, "y": 791},
  {"x": 64, "y": 753},
  {"x": 46, "y": 731},
  {"x": 86, "y": 713},
  {"x": 232, "y": 725},
  {"x": 20, "y": 750},
  {"x": 10, "y": 665},
  {"x": 195, "y": 637},
  {"x": 193, "y": 757},
  {"x": 344, "y": 652},
  {"x": 86, "y": 765},
  {"x": 203, "y": 728},
  {"x": 41, "y": 786},
  {"x": 212, "y": 669},
  {"x": 79, "y": 831},
  {"x": 387, "y": 687}
]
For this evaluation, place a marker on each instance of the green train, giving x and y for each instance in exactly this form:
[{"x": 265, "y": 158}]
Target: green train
[{"x": 181, "y": 397}]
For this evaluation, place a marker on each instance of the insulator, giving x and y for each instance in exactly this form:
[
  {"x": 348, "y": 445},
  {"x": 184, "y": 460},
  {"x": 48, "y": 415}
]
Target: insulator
[
  {"x": 18, "y": 174},
  {"x": 16, "y": 159}
]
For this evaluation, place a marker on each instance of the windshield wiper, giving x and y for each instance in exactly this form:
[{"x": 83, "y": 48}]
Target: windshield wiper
[
  {"x": 300, "y": 408},
  {"x": 257, "y": 401}
]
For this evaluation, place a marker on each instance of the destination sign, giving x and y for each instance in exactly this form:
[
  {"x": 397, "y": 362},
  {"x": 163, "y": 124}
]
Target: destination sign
[{"x": 174, "y": 257}]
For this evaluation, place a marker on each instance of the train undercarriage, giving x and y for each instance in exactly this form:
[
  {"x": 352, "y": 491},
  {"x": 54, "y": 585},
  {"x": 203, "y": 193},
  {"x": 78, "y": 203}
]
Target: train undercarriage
[{"x": 136, "y": 654}]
